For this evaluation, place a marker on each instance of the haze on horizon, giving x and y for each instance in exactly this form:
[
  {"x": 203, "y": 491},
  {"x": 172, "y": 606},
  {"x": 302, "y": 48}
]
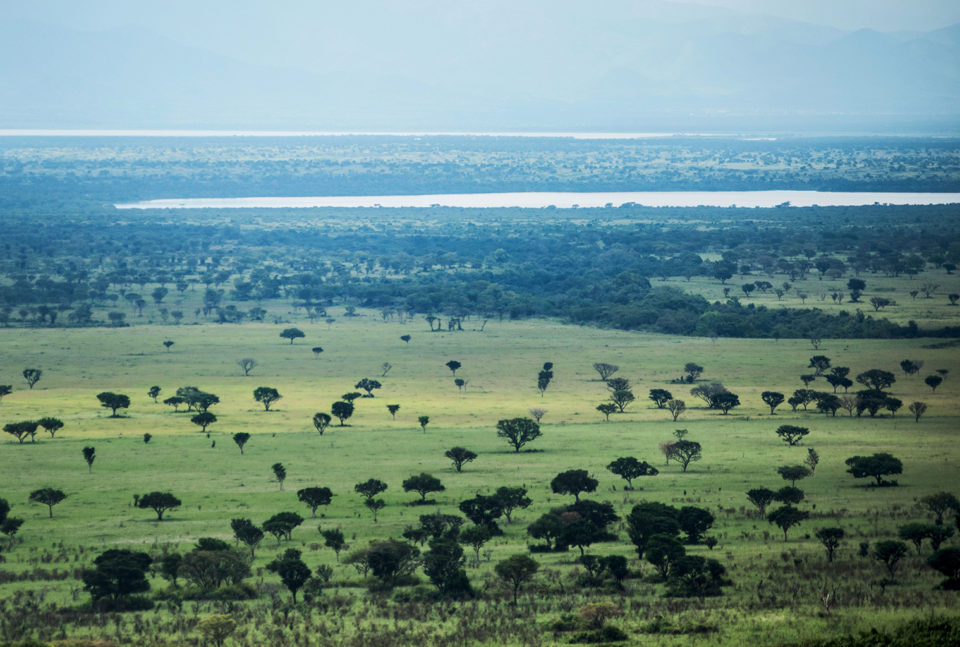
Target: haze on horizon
[{"x": 711, "y": 65}]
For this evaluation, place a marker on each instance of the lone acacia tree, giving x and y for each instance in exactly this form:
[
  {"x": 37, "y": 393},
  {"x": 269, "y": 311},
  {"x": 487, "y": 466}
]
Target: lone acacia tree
[
  {"x": 292, "y": 333},
  {"x": 368, "y": 385},
  {"x": 393, "y": 408},
  {"x": 48, "y": 497},
  {"x": 315, "y": 497},
  {"x": 342, "y": 410},
  {"x": 459, "y": 456},
  {"x": 791, "y": 434},
  {"x": 203, "y": 420},
  {"x": 876, "y": 466},
  {"x": 518, "y": 431},
  {"x": 246, "y": 365},
  {"x": 89, "y": 455},
  {"x": 423, "y": 484},
  {"x": 453, "y": 365},
  {"x": 266, "y": 395},
  {"x": 629, "y": 468},
  {"x": 516, "y": 570},
  {"x": 113, "y": 401},
  {"x": 159, "y": 502}
]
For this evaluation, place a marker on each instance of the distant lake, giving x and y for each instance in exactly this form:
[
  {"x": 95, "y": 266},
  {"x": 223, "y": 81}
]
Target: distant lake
[{"x": 533, "y": 200}]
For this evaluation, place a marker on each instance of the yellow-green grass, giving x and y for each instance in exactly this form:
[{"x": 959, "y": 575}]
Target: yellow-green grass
[{"x": 216, "y": 484}]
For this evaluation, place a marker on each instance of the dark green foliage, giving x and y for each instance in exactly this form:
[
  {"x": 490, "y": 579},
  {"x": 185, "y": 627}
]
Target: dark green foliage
[
  {"x": 662, "y": 551},
  {"x": 48, "y": 497},
  {"x": 293, "y": 572},
  {"x": 685, "y": 452},
  {"x": 516, "y": 570},
  {"x": 117, "y": 574},
  {"x": 292, "y": 333},
  {"x": 648, "y": 519},
  {"x": 789, "y": 494},
  {"x": 475, "y": 537},
  {"x": 113, "y": 401},
  {"x": 511, "y": 498},
  {"x": 695, "y": 576},
  {"x": 876, "y": 379},
  {"x": 247, "y": 532},
  {"x": 342, "y": 410},
  {"x": 315, "y": 497},
  {"x": 334, "y": 540},
  {"x": 933, "y": 381},
  {"x": 573, "y": 482},
  {"x": 453, "y": 365},
  {"x": 279, "y": 473},
  {"x": 443, "y": 564},
  {"x": 629, "y": 468},
  {"x": 241, "y": 438},
  {"x": 793, "y": 473},
  {"x": 391, "y": 560},
  {"x": 281, "y": 525},
  {"x": 772, "y": 399},
  {"x": 694, "y": 522},
  {"x": 660, "y": 397},
  {"x": 724, "y": 401},
  {"x": 368, "y": 385},
  {"x": 89, "y": 455},
  {"x": 876, "y": 466},
  {"x": 830, "y": 538},
  {"x": 203, "y": 420},
  {"x": 459, "y": 456},
  {"x": 518, "y": 431},
  {"x": 889, "y": 553},
  {"x": 761, "y": 497},
  {"x": 940, "y": 503},
  {"x": 423, "y": 484},
  {"x": 947, "y": 561},
  {"x": 321, "y": 421},
  {"x": 370, "y": 488},
  {"x": 20, "y": 430},
  {"x": 212, "y": 564},
  {"x": 483, "y": 511},
  {"x": 32, "y": 376},
  {"x": 266, "y": 395},
  {"x": 792, "y": 434},
  {"x": 916, "y": 533},
  {"x": 159, "y": 502},
  {"x": 50, "y": 425},
  {"x": 786, "y": 517}
]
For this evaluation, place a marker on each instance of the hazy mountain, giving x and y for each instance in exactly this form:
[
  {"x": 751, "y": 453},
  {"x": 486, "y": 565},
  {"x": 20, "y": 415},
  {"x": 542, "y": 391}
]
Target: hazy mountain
[{"x": 496, "y": 66}]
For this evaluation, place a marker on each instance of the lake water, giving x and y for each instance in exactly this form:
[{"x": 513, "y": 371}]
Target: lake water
[{"x": 562, "y": 200}]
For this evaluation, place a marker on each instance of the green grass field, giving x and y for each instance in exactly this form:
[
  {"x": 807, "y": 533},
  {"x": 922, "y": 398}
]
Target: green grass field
[{"x": 778, "y": 588}]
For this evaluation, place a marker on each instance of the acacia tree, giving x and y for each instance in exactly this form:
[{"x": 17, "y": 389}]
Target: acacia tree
[
  {"x": 933, "y": 381},
  {"x": 154, "y": 392},
  {"x": 32, "y": 376},
  {"x": 459, "y": 456},
  {"x": 393, "y": 408},
  {"x": 293, "y": 572},
  {"x": 830, "y": 538},
  {"x": 605, "y": 370},
  {"x": 917, "y": 409},
  {"x": 423, "y": 484},
  {"x": 693, "y": 371},
  {"x": 335, "y": 540},
  {"x": 315, "y": 497},
  {"x": 89, "y": 455},
  {"x": 621, "y": 398},
  {"x": 453, "y": 365},
  {"x": 606, "y": 408},
  {"x": 5, "y": 389},
  {"x": 342, "y": 410},
  {"x": 511, "y": 498},
  {"x": 241, "y": 438},
  {"x": 292, "y": 333},
  {"x": 629, "y": 468},
  {"x": 159, "y": 502},
  {"x": 113, "y": 401},
  {"x": 266, "y": 395},
  {"x": 424, "y": 421},
  {"x": 321, "y": 421},
  {"x": 820, "y": 363},
  {"x": 761, "y": 497},
  {"x": 724, "y": 401},
  {"x": 279, "y": 473},
  {"x": 518, "y": 431},
  {"x": 791, "y": 434},
  {"x": 793, "y": 473},
  {"x": 876, "y": 466},
  {"x": 368, "y": 385},
  {"x": 203, "y": 420},
  {"x": 676, "y": 407},
  {"x": 246, "y": 365},
  {"x": 773, "y": 399},
  {"x": 890, "y": 552},
  {"x": 247, "y": 532},
  {"x": 685, "y": 452},
  {"x": 786, "y": 517},
  {"x": 516, "y": 570},
  {"x": 660, "y": 397},
  {"x": 48, "y": 497},
  {"x": 20, "y": 430},
  {"x": 573, "y": 482}
]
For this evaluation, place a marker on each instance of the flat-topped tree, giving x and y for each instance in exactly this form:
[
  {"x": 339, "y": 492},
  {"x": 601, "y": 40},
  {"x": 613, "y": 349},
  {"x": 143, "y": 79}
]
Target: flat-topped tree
[
  {"x": 820, "y": 364},
  {"x": 606, "y": 408},
  {"x": 241, "y": 438},
  {"x": 423, "y": 484},
  {"x": 48, "y": 497},
  {"x": 629, "y": 468},
  {"x": 724, "y": 401},
  {"x": 266, "y": 395},
  {"x": 761, "y": 498},
  {"x": 786, "y": 517},
  {"x": 876, "y": 379},
  {"x": 5, "y": 389},
  {"x": 282, "y": 524},
  {"x": 368, "y": 385},
  {"x": 203, "y": 420},
  {"x": 876, "y": 466},
  {"x": 511, "y": 498},
  {"x": 159, "y": 502},
  {"x": 113, "y": 401},
  {"x": 393, "y": 408},
  {"x": 247, "y": 532},
  {"x": 453, "y": 365},
  {"x": 693, "y": 371},
  {"x": 772, "y": 399},
  {"x": 518, "y": 431},
  {"x": 605, "y": 370},
  {"x": 933, "y": 381},
  {"x": 370, "y": 488},
  {"x": 292, "y": 333},
  {"x": 315, "y": 497},
  {"x": 791, "y": 434},
  {"x": 20, "y": 430},
  {"x": 660, "y": 397},
  {"x": 793, "y": 473},
  {"x": 459, "y": 456},
  {"x": 830, "y": 538}
]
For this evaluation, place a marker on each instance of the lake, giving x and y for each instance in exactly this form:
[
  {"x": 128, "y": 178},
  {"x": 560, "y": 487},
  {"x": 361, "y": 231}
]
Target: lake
[{"x": 561, "y": 200}]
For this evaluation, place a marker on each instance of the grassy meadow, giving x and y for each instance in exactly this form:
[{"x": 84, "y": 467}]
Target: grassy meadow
[{"x": 778, "y": 588}]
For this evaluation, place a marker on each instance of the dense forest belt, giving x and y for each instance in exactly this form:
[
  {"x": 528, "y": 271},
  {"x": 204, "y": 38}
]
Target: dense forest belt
[
  {"x": 58, "y": 170},
  {"x": 852, "y": 272}
]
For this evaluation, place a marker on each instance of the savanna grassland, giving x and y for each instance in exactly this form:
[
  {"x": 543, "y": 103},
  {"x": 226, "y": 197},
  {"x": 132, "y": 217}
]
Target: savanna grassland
[{"x": 527, "y": 302}]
